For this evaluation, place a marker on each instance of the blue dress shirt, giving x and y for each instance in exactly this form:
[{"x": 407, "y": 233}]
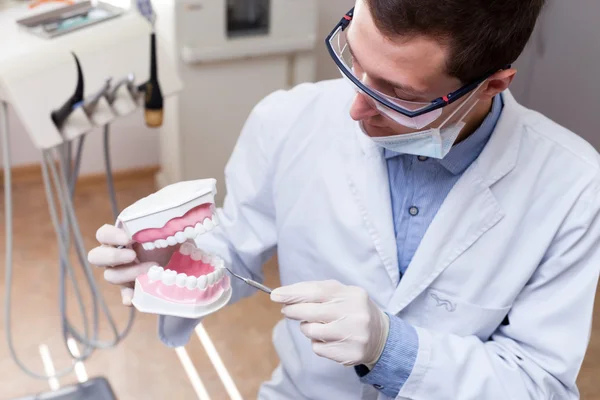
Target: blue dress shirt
[{"x": 419, "y": 186}]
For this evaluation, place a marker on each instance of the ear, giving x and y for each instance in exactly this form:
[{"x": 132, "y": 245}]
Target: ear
[{"x": 497, "y": 83}]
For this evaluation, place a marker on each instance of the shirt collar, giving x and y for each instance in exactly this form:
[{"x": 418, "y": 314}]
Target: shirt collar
[{"x": 462, "y": 155}]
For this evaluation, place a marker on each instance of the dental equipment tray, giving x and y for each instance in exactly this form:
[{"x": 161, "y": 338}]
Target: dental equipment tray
[
  {"x": 94, "y": 389},
  {"x": 70, "y": 18}
]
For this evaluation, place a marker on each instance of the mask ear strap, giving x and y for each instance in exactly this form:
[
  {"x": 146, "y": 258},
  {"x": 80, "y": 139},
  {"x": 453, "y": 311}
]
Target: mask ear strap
[{"x": 458, "y": 108}]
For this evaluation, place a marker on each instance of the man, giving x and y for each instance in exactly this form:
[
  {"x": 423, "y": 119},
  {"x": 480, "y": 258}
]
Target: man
[{"x": 428, "y": 249}]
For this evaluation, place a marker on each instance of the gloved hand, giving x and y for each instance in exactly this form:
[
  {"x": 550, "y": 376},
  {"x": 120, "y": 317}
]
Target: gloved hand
[
  {"x": 123, "y": 266},
  {"x": 343, "y": 323}
]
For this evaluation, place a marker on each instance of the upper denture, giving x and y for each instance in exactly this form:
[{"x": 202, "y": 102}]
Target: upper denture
[{"x": 189, "y": 220}]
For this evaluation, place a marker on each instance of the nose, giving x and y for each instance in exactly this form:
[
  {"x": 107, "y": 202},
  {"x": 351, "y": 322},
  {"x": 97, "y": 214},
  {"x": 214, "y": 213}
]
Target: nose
[{"x": 361, "y": 109}]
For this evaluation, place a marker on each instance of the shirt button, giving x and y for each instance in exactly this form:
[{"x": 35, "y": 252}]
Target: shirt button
[
  {"x": 378, "y": 387},
  {"x": 414, "y": 211},
  {"x": 423, "y": 158}
]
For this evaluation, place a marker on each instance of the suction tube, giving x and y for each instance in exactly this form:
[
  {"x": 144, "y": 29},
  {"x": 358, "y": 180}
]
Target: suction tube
[
  {"x": 60, "y": 116},
  {"x": 154, "y": 99}
]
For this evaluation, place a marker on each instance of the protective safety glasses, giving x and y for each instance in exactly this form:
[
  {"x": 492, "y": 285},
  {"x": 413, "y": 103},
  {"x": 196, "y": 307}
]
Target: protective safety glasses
[{"x": 415, "y": 115}]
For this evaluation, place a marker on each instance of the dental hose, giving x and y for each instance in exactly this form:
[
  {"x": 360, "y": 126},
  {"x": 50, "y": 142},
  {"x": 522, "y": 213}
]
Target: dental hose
[
  {"x": 109, "y": 177},
  {"x": 61, "y": 191},
  {"x": 65, "y": 188}
]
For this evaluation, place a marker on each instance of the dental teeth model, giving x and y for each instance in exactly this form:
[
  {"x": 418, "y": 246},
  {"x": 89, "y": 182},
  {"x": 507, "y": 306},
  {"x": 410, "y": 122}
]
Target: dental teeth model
[{"x": 194, "y": 283}]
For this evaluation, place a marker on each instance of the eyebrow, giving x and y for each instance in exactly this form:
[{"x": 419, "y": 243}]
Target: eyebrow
[{"x": 403, "y": 87}]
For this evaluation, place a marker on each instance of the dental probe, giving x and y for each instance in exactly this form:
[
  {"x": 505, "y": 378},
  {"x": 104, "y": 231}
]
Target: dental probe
[{"x": 251, "y": 282}]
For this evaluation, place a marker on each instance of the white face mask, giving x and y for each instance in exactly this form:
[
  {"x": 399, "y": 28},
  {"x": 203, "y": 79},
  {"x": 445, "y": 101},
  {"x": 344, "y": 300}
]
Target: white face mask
[{"x": 433, "y": 142}]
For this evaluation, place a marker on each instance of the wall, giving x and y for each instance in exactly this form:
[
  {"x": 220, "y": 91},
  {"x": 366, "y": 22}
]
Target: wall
[
  {"x": 558, "y": 72},
  {"x": 330, "y": 13}
]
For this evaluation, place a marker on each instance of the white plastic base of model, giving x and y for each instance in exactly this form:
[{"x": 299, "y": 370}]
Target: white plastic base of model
[{"x": 149, "y": 304}]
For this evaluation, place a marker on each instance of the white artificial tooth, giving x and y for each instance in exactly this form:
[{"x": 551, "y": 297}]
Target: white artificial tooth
[
  {"x": 197, "y": 255},
  {"x": 191, "y": 282},
  {"x": 208, "y": 224},
  {"x": 169, "y": 277},
  {"x": 219, "y": 263},
  {"x": 145, "y": 246},
  {"x": 171, "y": 241},
  {"x": 151, "y": 246},
  {"x": 181, "y": 280},
  {"x": 189, "y": 232},
  {"x": 180, "y": 236},
  {"x": 212, "y": 277},
  {"x": 222, "y": 273},
  {"x": 205, "y": 258},
  {"x": 199, "y": 229},
  {"x": 202, "y": 282},
  {"x": 187, "y": 249},
  {"x": 215, "y": 219},
  {"x": 162, "y": 244},
  {"x": 155, "y": 273}
]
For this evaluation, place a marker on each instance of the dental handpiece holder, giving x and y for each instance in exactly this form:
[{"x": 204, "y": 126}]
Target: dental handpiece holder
[
  {"x": 63, "y": 89},
  {"x": 79, "y": 114}
]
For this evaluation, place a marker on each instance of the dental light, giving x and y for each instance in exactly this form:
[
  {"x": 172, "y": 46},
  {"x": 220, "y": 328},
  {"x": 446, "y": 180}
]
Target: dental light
[{"x": 46, "y": 82}]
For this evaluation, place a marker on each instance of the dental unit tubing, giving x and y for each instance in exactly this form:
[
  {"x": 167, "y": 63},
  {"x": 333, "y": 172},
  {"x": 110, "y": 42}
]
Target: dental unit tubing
[{"x": 61, "y": 90}]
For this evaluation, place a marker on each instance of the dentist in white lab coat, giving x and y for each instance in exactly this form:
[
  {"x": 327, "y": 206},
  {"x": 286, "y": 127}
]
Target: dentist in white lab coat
[{"x": 458, "y": 262}]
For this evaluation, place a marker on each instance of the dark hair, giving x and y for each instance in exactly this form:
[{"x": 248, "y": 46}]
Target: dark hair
[{"x": 483, "y": 35}]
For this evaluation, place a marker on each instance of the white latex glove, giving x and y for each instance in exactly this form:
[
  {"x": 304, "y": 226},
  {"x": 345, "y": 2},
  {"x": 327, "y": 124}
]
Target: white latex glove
[
  {"x": 123, "y": 266},
  {"x": 343, "y": 323}
]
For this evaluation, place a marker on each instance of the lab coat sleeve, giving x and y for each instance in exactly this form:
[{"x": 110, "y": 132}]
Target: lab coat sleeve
[
  {"x": 397, "y": 359},
  {"x": 246, "y": 235},
  {"x": 538, "y": 355}
]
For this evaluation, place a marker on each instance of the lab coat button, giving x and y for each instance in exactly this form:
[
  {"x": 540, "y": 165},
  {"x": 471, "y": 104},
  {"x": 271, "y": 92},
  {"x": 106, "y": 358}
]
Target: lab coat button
[
  {"x": 423, "y": 158},
  {"x": 413, "y": 211}
]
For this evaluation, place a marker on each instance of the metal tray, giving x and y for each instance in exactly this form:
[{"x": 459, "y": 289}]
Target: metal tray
[
  {"x": 94, "y": 389},
  {"x": 70, "y": 18}
]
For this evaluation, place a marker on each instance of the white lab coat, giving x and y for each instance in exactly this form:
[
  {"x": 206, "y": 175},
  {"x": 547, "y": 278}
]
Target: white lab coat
[{"x": 517, "y": 236}]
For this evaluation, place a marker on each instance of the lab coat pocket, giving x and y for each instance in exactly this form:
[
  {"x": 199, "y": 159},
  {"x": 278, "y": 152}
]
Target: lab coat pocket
[{"x": 450, "y": 314}]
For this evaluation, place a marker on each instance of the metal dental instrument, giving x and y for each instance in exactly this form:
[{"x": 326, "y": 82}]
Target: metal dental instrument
[
  {"x": 251, "y": 282},
  {"x": 129, "y": 82},
  {"x": 89, "y": 104}
]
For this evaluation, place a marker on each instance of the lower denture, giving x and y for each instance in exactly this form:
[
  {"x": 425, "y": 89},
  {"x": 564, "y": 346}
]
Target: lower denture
[
  {"x": 184, "y": 263},
  {"x": 189, "y": 220},
  {"x": 184, "y": 295}
]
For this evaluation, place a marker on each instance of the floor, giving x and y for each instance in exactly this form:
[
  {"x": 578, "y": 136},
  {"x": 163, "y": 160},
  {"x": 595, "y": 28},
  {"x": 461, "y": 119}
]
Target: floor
[{"x": 141, "y": 367}]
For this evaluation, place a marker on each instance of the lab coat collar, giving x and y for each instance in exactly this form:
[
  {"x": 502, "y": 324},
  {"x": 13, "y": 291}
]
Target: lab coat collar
[
  {"x": 470, "y": 210},
  {"x": 367, "y": 176}
]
